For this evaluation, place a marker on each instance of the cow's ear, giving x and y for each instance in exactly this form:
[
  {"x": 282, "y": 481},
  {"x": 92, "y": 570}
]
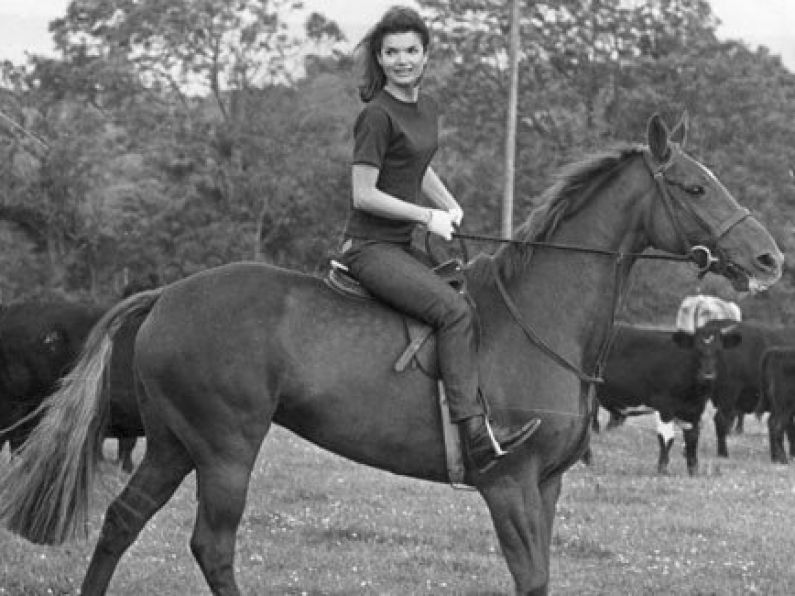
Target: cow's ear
[
  {"x": 683, "y": 339},
  {"x": 731, "y": 340}
]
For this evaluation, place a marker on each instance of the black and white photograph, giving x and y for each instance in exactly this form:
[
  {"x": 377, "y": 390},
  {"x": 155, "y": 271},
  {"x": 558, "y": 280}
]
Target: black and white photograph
[{"x": 397, "y": 297}]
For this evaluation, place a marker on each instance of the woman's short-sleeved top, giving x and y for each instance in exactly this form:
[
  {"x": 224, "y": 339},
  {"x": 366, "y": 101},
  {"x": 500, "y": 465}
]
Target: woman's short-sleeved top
[{"x": 399, "y": 138}]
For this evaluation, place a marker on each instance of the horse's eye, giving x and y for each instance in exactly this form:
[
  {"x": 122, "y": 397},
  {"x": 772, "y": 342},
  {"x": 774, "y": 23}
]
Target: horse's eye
[{"x": 695, "y": 190}]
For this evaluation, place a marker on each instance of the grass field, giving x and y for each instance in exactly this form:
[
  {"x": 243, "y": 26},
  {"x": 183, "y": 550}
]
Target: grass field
[{"x": 318, "y": 524}]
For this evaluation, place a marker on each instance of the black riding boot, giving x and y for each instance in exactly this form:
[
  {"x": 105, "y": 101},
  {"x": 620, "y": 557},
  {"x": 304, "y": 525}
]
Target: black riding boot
[{"x": 486, "y": 442}]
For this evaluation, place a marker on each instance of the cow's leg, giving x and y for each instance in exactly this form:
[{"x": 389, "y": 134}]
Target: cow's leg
[
  {"x": 791, "y": 436},
  {"x": 739, "y": 425},
  {"x": 691, "y": 435},
  {"x": 595, "y": 419},
  {"x": 722, "y": 425},
  {"x": 775, "y": 429},
  {"x": 126, "y": 448},
  {"x": 14, "y": 444},
  {"x": 615, "y": 420},
  {"x": 665, "y": 438}
]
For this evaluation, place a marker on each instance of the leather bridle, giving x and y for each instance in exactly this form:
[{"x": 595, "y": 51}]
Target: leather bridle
[{"x": 702, "y": 255}]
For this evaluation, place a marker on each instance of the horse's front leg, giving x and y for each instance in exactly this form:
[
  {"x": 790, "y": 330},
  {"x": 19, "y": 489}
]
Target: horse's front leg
[{"x": 523, "y": 512}]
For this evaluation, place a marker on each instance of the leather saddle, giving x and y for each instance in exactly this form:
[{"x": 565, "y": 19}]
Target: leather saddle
[{"x": 418, "y": 352}]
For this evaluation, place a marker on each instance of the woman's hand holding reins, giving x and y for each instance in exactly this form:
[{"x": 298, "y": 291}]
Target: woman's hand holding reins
[
  {"x": 456, "y": 215},
  {"x": 440, "y": 223}
]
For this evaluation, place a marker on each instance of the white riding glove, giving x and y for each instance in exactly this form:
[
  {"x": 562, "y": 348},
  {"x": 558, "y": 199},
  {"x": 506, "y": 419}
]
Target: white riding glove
[
  {"x": 440, "y": 223},
  {"x": 456, "y": 215}
]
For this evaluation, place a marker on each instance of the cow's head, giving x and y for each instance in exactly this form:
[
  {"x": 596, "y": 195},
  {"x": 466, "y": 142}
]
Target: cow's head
[{"x": 707, "y": 341}]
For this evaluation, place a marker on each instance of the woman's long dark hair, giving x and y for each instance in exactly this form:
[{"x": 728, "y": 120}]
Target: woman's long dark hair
[{"x": 398, "y": 19}]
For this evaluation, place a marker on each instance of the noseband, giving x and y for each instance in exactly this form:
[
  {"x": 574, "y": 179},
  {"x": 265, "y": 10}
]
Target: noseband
[{"x": 700, "y": 254}]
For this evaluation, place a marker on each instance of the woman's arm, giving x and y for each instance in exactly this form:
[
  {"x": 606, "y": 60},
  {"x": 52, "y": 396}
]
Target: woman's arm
[
  {"x": 368, "y": 198},
  {"x": 436, "y": 191}
]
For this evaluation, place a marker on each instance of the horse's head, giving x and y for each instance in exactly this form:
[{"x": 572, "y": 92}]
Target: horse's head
[{"x": 702, "y": 216}]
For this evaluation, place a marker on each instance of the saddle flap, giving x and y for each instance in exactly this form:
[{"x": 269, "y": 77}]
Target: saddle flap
[{"x": 340, "y": 279}]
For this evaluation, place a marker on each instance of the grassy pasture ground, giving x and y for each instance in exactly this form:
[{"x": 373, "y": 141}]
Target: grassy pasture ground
[{"x": 318, "y": 524}]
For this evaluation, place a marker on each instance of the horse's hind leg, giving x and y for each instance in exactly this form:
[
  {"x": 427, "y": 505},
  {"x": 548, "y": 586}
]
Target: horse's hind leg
[
  {"x": 164, "y": 466},
  {"x": 222, "y": 484}
]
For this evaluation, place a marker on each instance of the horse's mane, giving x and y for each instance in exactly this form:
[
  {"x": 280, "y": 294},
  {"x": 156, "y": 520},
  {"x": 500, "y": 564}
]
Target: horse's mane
[{"x": 574, "y": 185}]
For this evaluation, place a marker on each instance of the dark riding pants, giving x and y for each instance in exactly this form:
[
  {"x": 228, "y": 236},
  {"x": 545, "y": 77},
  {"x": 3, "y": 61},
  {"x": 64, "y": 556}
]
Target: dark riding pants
[{"x": 395, "y": 274}]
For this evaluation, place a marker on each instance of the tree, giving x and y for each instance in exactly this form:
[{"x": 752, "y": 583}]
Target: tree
[
  {"x": 192, "y": 47},
  {"x": 129, "y": 151},
  {"x": 593, "y": 72}
]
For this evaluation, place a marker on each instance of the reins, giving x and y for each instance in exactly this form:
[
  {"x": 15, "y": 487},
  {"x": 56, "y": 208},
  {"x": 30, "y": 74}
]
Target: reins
[
  {"x": 619, "y": 256},
  {"x": 586, "y": 249}
]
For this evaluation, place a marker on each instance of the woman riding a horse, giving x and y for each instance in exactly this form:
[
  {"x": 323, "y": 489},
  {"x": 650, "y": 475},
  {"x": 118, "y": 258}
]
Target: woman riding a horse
[{"x": 395, "y": 138}]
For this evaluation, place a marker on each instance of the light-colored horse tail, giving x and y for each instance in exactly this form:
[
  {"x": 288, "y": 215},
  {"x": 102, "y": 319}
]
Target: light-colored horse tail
[{"x": 45, "y": 492}]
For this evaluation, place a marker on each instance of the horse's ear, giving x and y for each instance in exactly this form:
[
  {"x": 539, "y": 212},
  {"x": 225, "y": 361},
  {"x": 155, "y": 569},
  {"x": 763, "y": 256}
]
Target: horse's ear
[
  {"x": 658, "y": 138},
  {"x": 679, "y": 133}
]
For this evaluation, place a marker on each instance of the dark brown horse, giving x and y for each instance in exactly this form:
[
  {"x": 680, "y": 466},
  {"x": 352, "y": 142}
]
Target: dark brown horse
[{"x": 226, "y": 352}]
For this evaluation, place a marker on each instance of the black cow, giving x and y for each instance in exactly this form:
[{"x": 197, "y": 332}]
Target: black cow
[
  {"x": 736, "y": 390},
  {"x": 777, "y": 372},
  {"x": 39, "y": 341},
  {"x": 667, "y": 371}
]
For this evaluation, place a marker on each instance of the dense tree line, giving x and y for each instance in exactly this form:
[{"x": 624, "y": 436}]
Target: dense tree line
[{"x": 169, "y": 137}]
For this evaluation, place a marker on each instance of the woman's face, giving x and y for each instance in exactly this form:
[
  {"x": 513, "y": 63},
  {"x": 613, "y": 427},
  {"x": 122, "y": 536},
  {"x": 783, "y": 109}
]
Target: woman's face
[{"x": 403, "y": 59}]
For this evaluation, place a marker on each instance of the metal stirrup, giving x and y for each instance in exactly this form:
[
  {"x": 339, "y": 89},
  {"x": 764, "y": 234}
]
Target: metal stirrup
[{"x": 494, "y": 443}]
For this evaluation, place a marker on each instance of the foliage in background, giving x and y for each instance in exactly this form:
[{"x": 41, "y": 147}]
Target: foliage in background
[{"x": 169, "y": 137}]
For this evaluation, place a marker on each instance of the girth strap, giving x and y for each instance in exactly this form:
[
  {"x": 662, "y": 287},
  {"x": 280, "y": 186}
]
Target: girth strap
[{"x": 531, "y": 335}]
